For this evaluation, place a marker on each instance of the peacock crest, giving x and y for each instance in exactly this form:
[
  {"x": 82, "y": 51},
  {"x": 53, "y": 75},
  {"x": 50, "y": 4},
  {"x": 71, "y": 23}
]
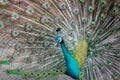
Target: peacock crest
[{"x": 45, "y": 38}]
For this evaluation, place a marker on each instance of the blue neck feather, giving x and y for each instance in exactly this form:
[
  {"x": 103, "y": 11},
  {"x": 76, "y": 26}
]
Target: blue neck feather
[{"x": 72, "y": 66}]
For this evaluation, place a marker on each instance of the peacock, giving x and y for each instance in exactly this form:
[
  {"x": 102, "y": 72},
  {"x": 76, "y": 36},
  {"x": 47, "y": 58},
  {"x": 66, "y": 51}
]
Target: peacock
[{"x": 46, "y": 38}]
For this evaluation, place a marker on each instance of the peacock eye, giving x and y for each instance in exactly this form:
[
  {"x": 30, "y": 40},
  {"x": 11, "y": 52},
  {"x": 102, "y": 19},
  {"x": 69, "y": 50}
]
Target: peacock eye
[
  {"x": 31, "y": 40},
  {"x": 115, "y": 11},
  {"x": 100, "y": 31},
  {"x": 24, "y": 74},
  {"x": 43, "y": 34},
  {"x": 76, "y": 11},
  {"x": 109, "y": 62},
  {"x": 58, "y": 19},
  {"x": 30, "y": 10},
  {"x": 71, "y": 34},
  {"x": 27, "y": 59},
  {"x": 107, "y": 45},
  {"x": 46, "y": 5},
  {"x": 18, "y": 47},
  {"x": 34, "y": 51},
  {"x": 72, "y": 22},
  {"x": 29, "y": 27},
  {"x": 102, "y": 17},
  {"x": 40, "y": 61},
  {"x": 15, "y": 33},
  {"x": 100, "y": 51},
  {"x": 38, "y": 74},
  {"x": 81, "y": 74},
  {"x": 32, "y": 73},
  {"x": 49, "y": 73},
  {"x": 116, "y": 75},
  {"x": 1, "y": 25},
  {"x": 97, "y": 40},
  {"x": 103, "y": 3},
  {"x": 46, "y": 43},
  {"x": 84, "y": 20},
  {"x": 15, "y": 16},
  {"x": 92, "y": 24},
  {"x": 81, "y": 30},
  {"x": 90, "y": 8},
  {"x": 63, "y": 5},
  {"x": 3, "y": 44},
  {"x": 113, "y": 30},
  {"x": 44, "y": 19}
]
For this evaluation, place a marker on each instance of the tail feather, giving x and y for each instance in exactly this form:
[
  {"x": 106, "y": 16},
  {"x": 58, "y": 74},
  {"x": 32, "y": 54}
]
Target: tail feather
[{"x": 28, "y": 29}]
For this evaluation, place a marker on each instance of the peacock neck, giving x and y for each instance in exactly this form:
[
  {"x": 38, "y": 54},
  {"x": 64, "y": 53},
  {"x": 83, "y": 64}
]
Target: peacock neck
[
  {"x": 71, "y": 63},
  {"x": 68, "y": 57}
]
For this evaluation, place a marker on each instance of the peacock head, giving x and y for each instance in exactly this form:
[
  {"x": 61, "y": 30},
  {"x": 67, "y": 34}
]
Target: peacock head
[{"x": 58, "y": 39}]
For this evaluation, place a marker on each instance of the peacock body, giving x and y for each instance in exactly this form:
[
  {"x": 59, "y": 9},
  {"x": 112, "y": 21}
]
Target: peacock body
[{"x": 45, "y": 38}]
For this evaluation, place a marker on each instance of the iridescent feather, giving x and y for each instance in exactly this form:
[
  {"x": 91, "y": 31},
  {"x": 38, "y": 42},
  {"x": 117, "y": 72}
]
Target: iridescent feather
[{"x": 45, "y": 38}]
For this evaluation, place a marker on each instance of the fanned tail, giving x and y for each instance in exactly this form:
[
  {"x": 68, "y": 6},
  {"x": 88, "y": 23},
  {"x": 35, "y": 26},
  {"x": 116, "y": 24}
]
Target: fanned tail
[{"x": 28, "y": 29}]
